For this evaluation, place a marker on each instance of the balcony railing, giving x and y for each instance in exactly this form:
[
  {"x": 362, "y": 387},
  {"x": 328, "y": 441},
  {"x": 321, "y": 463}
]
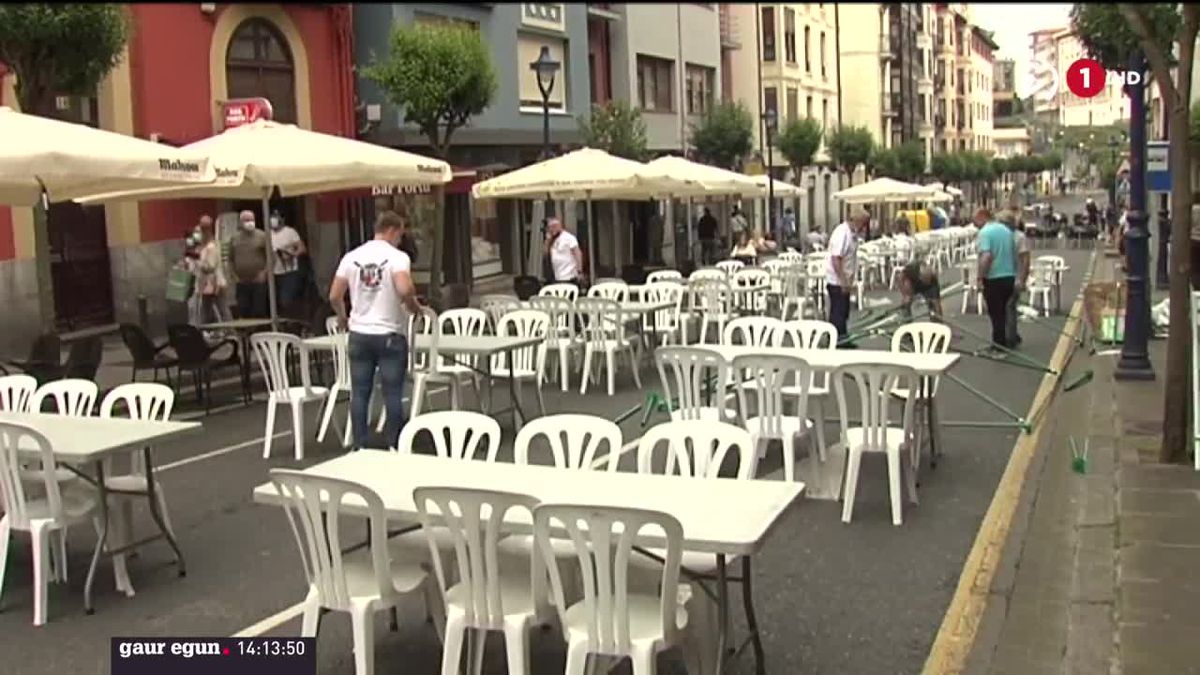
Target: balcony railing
[
  {"x": 730, "y": 36},
  {"x": 890, "y": 103}
]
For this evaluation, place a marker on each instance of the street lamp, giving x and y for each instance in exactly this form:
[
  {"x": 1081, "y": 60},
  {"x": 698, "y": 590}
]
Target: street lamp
[
  {"x": 771, "y": 118},
  {"x": 546, "y": 69},
  {"x": 1134, "y": 363}
]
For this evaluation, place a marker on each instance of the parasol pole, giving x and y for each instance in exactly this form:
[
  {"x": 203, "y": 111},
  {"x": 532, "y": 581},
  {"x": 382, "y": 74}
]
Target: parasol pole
[
  {"x": 266, "y": 206},
  {"x": 591, "y": 239}
]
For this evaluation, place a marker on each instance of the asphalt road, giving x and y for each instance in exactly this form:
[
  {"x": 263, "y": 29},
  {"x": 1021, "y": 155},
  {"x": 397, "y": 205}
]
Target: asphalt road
[{"x": 832, "y": 598}]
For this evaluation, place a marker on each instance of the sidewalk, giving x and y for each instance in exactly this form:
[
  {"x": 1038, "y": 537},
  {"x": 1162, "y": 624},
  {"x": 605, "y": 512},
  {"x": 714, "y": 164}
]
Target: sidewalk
[{"x": 1100, "y": 572}]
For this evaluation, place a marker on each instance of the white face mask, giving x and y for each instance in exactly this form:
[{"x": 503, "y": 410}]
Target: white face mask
[
  {"x": 247, "y": 225},
  {"x": 275, "y": 223}
]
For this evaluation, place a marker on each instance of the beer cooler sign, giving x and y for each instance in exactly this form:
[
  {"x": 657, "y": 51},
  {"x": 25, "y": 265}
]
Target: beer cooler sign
[{"x": 246, "y": 110}]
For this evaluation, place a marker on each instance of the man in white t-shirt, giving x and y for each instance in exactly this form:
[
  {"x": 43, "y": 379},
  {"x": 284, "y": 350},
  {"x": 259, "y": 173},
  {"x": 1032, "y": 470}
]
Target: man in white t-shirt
[
  {"x": 566, "y": 260},
  {"x": 288, "y": 246},
  {"x": 842, "y": 268},
  {"x": 377, "y": 275}
]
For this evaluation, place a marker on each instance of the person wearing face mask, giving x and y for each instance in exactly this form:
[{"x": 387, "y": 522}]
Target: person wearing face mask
[
  {"x": 210, "y": 277},
  {"x": 248, "y": 255},
  {"x": 288, "y": 245},
  {"x": 382, "y": 297}
]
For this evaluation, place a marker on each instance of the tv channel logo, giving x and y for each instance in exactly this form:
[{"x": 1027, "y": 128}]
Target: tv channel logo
[{"x": 1087, "y": 78}]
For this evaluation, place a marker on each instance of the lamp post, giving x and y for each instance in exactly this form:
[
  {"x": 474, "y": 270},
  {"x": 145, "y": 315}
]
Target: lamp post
[
  {"x": 771, "y": 119},
  {"x": 1134, "y": 363},
  {"x": 1162, "y": 278},
  {"x": 545, "y": 68}
]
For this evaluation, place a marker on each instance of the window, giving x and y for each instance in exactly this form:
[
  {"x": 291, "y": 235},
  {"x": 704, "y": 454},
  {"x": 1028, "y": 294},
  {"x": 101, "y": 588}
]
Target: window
[
  {"x": 824, "y": 73},
  {"x": 259, "y": 64},
  {"x": 825, "y": 112},
  {"x": 807, "y": 50},
  {"x": 768, "y": 33},
  {"x": 700, "y": 83},
  {"x": 789, "y": 35},
  {"x": 529, "y": 47},
  {"x": 654, "y": 76},
  {"x": 771, "y": 101},
  {"x": 808, "y": 102},
  {"x": 792, "y": 104}
]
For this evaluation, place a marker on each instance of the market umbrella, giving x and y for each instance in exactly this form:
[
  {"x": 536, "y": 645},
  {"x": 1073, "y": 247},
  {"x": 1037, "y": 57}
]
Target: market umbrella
[
  {"x": 62, "y": 160},
  {"x": 886, "y": 190},
  {"x": 588, "y": 173},
  {"x": 781, "y": 188},
  {"x": 254, "y": 160}
]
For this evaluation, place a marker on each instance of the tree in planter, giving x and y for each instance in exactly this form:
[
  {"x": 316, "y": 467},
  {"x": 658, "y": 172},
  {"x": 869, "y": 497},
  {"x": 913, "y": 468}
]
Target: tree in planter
[
  {"x": 848, "y": 147},
  {"x": 57, "y": 50},
  {"x": 798, "y": 142},
  {"x": 910, "y": 161},
  {"x": 724, "y": 136},
  {"x": 947, "y": 168},
  {"x": 440, "y": 76},
  {"x": 617, "y": 128},
  {"x": 1111, "y": 34},
  {"x": 883, "y": 163}
]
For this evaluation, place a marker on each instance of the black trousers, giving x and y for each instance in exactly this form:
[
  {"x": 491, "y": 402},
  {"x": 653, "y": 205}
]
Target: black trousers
[
  {"x": 252, "y": 300},
  {"x": 996, "y": 293},
  {"x": 839, "y": 308}
]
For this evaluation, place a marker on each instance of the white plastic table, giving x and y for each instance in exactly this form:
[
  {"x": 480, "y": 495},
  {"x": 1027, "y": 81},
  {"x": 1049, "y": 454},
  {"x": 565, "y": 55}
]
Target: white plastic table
[
  {"x": 484, "y": 346},
  {"x": 80, "y": 441},
  {"x": 723, "y": 516}
]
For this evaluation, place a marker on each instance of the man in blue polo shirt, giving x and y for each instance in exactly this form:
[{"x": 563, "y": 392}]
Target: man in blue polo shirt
[{"x": 997, "y": 271}]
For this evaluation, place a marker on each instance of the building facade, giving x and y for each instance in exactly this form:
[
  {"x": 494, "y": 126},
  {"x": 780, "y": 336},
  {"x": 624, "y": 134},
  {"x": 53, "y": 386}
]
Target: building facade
[
  {"x": 925, "y": 82},
  {"x": 1011, "y": 142},
  {"x": 792, "y": 66},
  {"x": 1004, "y": 88},
  {"x": 963, "y": 72},
  {"x": 1110, "y": 106},
  {"x": 979, "y": 88},
  {"x": 182, "y": 63},
  {"x": 667, "y": 62}
]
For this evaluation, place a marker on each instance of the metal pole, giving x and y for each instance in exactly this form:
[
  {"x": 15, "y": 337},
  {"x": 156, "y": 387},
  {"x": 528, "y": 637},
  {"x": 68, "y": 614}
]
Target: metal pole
[
  {"x": 266, "y": 211},
  {"x": 771, "y": 188},
  {"x": 591, "y": 240},
  {"x": 1162, "y": 278},
  {"x": 1134, "y": 363}
]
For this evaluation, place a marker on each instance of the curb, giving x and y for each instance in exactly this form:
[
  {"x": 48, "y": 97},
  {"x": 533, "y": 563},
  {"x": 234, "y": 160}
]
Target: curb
[{"x": 956, "y": 636}]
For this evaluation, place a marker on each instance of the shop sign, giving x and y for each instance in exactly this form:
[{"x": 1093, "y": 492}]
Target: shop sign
[
  {"x": 548, "y": 15},
  {"x": 245, "y": 111}
]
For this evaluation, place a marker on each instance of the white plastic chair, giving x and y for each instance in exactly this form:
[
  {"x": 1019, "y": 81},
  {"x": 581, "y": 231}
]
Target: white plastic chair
[
  {"x": 793, "y": 291},
  {"x": 730, "y": 266},
  {"x": 496, "y": 306},
  {"x": 617, "y": 291},
  {"x": 710, "y": 273},
  {"x": 527, "y": 364},
  {"x": 872, "y": 385},
  {"x": 574, "y": 441},
  {"x": 360, "y": 583},
  {"x": 922, "y": 337},
  {"x": 16, "y": 392},
  {"x": 148, "y": 402},
  {"x": 561, "y": 339},
  {"x": 604, "y": 331},
  {"x": 712, "y": 302},
  {"x": 696, "y": 449},
  {"x": 664, "y": 275},
  {"x": 752, "y": 301},
  {"x": 486, "y": 596},
  {"x": 667, "y": 322},
  {"x": 970, "y": 282},
  {"x": 332, "y": 327},
  {"x": 751, "y": 331},
  {"x": 456, "y": 434},
  {"x": 610, "y": 620},
  {"x": 768, "y": 376},
  {"x": 341, "y": 384},
  {"x": 564, "y": 291},
  {"x": 42, "y": 517},
  {"x": 1043, "y": 279},
  {"x": 814, "y": 269},
  {"x": 809, "y": 334},
  {"x": 73, "y": 398},
  {"x": 273, "y": 351},
  {"x": 689, "y": 368},
  {"x": 464, "y": 321}
]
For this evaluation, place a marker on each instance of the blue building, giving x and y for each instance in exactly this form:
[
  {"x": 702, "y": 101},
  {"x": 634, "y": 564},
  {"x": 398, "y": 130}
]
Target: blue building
[{"x": 507, "y": 135}]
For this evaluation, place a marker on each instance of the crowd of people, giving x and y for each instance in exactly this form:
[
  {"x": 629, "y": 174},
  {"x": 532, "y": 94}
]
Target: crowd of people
[{"x": 243, "y": 262}]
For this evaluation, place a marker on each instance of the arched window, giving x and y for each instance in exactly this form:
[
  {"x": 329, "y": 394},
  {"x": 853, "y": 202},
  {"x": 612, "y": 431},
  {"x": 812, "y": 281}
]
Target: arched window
[{"x": 259, "y": 64}]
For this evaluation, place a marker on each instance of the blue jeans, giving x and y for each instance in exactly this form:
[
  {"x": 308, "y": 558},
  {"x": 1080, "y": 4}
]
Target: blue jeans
[
  {"x": 388, "y": 353},
  {"x": 839, "y": 308}
]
